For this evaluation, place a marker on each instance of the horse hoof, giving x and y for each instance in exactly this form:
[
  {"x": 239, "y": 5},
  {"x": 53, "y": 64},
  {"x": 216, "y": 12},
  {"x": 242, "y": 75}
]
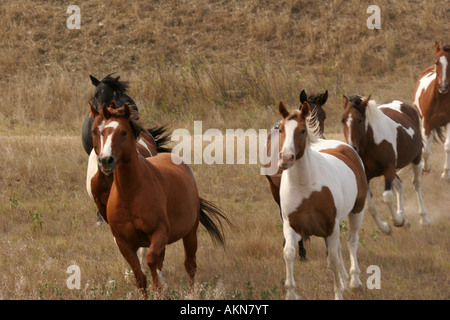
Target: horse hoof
[
  {"x": 399, "y": 223},
  {"x": 424, "y": 221},
  {"x": 291, "y": 296},
  {"x": 446, "y": 176},
  {"x": 355, "y": 283},
  {"x": 385, "y": 228}
]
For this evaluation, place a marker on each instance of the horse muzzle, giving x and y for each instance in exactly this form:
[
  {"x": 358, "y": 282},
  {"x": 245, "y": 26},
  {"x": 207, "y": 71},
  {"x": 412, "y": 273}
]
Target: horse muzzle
[
  {"x": 443, "y": 88},
  {"x": 107, "y": 164},
  {"x": 285, "y": 160}
]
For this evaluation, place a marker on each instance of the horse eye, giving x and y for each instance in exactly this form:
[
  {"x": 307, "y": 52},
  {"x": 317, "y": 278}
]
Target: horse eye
[
  {"x": 94, "y": 132},
  {"x": 303, "y": 131},
  {"x": 124, "y": 133},
  {"x": 360, "y": 121}
]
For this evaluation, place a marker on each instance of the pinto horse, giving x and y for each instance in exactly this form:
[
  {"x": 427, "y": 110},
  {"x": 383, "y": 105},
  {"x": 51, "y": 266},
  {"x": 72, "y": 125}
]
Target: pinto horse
[
  {"x": 153, "y": 202},
  {"x": 387, "y": 137},
  {"x": 432, "y": 101},
  {"x": 316, "y": 103},
  {"x": 323, "y": 182}
]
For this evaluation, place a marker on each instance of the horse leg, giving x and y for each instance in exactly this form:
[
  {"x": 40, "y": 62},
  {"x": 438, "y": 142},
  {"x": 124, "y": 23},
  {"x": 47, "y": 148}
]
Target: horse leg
[
  {"x": 289, "y": 251},
  {"x": 355, "y": 222},
  {"x": 388, "y": 197},
  {"x": 382, "y": 225},
  {"x": 190, "y": 262},
  {"x": 427, "y": 140},
  {"x": 131, "y": 257},
  {"x": 446, "y": 174},
  {"x": 156, "y": 251},
  {"x": 417, "y": 182},
  {"x": 142, "y": 252},
  {"x": 398, "y": 186},
  {"x": 335, "y": 263}
]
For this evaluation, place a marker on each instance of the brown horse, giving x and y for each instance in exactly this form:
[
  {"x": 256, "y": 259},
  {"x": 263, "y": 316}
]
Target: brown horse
[
  {"x": 387, "y": 137},
  {"x": 323, "y": 182},
  {"x": 153, "y": 202},
  {"x": 98, "y": 184},
  {"x": 316, "y": 103},
  {"x": 432, "y": 101}
]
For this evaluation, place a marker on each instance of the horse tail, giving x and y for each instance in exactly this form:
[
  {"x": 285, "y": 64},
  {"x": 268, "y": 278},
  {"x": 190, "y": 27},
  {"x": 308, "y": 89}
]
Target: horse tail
[
  {"x": 162, "y": 138},
  {"x": 439, "y": 133},
  {"x": 210, "y": 218}
]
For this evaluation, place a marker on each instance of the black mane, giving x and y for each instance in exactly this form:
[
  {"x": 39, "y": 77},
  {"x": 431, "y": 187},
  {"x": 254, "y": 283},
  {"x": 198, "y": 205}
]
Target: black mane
[{"x": 119, "y": 87}]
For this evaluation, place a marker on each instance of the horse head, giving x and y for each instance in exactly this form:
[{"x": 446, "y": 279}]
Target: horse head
[
  {"x": 114, "y": 135},
  {"x": 354, "y": 121},
  {"x": 293, "y": 134},
  {"x": 316, "y": 103},
  {"x": 442, "y": 66},
  {"x": 107, "y": 90}
]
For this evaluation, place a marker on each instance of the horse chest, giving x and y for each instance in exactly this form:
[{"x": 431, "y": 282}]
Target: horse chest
[{"x": 313, "y": 215}]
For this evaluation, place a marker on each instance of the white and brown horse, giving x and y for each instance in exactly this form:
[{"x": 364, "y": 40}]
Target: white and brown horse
[
  {"x": 316, "y": 103},
  {"x": 387, "y": 137},
  {"x": 323, "y": 182},
  {"x": 432, "y": 101},
  {"x": 153, "y": 201}
]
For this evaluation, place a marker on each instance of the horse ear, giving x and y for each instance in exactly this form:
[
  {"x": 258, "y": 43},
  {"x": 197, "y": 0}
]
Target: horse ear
[
  {"x": 436, "y": 46},
  {"x": 94, "y": 111},
  {"x": 127, "y": 111},
  {"x": 303, "y": 97},
  {"x": 282, "y": 110},
  {"x": 365, "y": 102},
  {"x": 344, "y": 102},
  {"x": 94, "y": 81},
  {"x": 105, "y": 112},
  {"x": 324, "y": 97},
  {"x": 113, "y": 105},
  {"x": 305, "y": 110}
]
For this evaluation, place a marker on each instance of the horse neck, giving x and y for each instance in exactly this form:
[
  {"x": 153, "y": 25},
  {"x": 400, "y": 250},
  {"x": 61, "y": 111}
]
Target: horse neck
[
  {"x": 128, "y": 174},
  {"x": 303, "y": 171}
]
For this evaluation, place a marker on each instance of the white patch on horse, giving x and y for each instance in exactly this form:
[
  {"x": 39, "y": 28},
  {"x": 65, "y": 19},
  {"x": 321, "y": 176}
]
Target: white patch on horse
[
  {"x": 349, "y": 126},
  {"x": 142, "y": 143},
  {"x": 397, "y": 106},
  {"x": 112, "y": 124},
  {"x": 91, "y": 171},
  {"x": 288, "y": 145},
  {"x": 423, "y": 85},
  {"x": 317, "y": 170},
  {"x": 444, "y": 62},
  {"x": 106, "y": 150},
  {"x": 383, "y": 127}
]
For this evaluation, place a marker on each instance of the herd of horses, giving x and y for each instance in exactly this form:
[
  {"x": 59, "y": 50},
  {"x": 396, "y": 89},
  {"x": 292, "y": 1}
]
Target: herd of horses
[{"x": 150, "y": 202}]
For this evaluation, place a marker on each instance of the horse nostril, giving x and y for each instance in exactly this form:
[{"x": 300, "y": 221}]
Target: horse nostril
[{"x": 110, "y": 160}]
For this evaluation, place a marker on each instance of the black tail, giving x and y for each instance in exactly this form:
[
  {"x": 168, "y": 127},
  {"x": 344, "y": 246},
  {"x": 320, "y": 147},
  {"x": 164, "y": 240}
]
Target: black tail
[
  {"x": 162, "y": 138},
  {"x": 439, "y": 133},
  {"x": 208, "y": 213}
]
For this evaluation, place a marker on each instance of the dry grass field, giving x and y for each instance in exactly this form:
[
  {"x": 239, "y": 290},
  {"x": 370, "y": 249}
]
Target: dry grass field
[{"x": 226, "y": 63}]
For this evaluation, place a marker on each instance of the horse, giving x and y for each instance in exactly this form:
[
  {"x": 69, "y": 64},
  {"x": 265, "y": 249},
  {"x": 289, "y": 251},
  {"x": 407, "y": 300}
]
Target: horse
[
  {"x": 151, "y": 142},
  {"x": 322, "y": 183},
  {"x": 109, "y": 90},
  {"x": 316, "y": 103},
  {"x": 106, "y": 90},
  {"x": 388, "y": 138},
  {"x": 153, "y": 202},
  {"x": 98, "y": 185},
  {"x": 432, "y": 101}
]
